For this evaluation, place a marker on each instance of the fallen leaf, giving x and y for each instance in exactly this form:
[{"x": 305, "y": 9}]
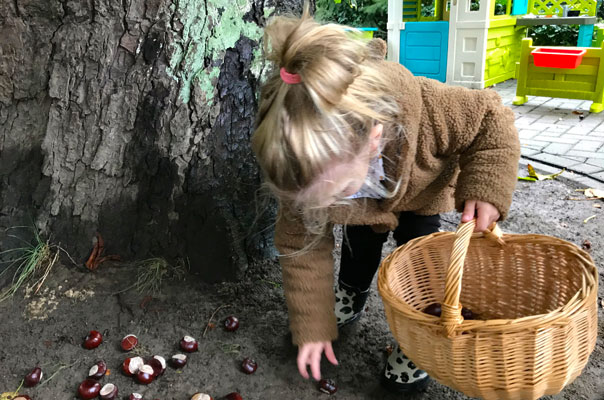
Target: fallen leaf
[
  {"x": 145, "y": 302},
  {"x": 586, "y": 245},
  {"x": 586, "y": 220},
  {"x": 594, "y": 193},
  {"x": 211, "y": 325},
  {"x": 577, "y": 112},
  {"x": 96, "y": 256},
  {"x": 108, "y": 372},
  {"x": 533, "y": 174},
  {"x": 527, "y": 178}
]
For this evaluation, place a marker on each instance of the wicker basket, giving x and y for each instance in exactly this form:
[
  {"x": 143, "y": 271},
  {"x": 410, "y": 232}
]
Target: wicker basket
[{"x": 535, "y": 301}]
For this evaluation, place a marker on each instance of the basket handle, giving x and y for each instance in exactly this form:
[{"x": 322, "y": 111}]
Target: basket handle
[{"x": 451, "y": 308}]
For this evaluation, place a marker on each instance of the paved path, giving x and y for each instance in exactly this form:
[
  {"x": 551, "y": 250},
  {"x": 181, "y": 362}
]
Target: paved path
[{"x": 561, "y": 133}]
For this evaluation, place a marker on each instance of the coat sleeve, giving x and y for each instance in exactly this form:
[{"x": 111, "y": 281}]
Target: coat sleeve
[
  {"x": 477, "y": 127},
  {"x": 307, "y": 279}
]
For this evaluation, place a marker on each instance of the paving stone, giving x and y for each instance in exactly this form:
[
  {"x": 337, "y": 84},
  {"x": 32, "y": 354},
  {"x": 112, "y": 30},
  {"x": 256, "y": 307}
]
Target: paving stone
[
  {"x": 527, "y": 133},
  {"x": 536, "y": 101},
  {"x": 599, "y": 162},
  {"x": 561, "y": 139},
  {"x": 550, "y": 127},
  {"x": 588, "y": 154},
  {"x": 570, "y": 120},
  {"x": 599, "y": 176},
  {"x": 577, "y": 159},
  {"x": 525, "y": 120},
  {"x": 535, "y": 144},
  {"x": 581, "y": 129},
  {"x": 527, "y": 151},
  {"x": 550, "y": 118},
  {"x": 583, "y": 137},
  {"x": 562, "y": 162},
  {"x": 587, "y": 168},
  {"x": 557, "y": 148},
  {"x": 596, "y": 133},
  {"x": 587, "y": 145}
]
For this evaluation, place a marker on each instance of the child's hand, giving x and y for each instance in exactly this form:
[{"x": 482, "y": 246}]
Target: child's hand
[
  {"x": 485, "y": 214},
  {"x": 310, "y": 353}
]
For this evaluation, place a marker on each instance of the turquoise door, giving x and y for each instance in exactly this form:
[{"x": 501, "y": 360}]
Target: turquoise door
[{"x": 424, "y": 48}]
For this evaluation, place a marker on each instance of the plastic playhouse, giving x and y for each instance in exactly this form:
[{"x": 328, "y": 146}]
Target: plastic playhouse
[
  {"x": 477, "y": 43},
  {"x": 567, "y": 72}
]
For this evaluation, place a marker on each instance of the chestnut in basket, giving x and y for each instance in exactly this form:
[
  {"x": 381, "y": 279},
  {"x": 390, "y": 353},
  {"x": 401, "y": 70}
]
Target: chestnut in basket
[{"x": 435, "y": 309}]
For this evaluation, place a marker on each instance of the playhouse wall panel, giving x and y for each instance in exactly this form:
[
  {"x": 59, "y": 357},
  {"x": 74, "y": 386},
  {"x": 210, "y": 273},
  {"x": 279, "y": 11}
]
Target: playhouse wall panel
[{"x": 503, "y": 51}]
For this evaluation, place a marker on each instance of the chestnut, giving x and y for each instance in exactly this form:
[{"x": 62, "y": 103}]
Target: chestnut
[
  {"x": 135, "y": 396},
  {"x": 145, "y": 375},
  {"x": 108, "y": 392},
  {"x": 129, "y": 342},
  {"x": 98, "y": 370},
  {"x": 328, "y": 386},
  {"x": 33, "y": 378},
  {"x": 233, "y": 396},
  {"x": 158, "y": 363},
  {"x": 188, "y": 344},
  {"x": 89, "y": 389},
  {"x": 201, "y": 396},
  {"x": 93, "y": 340},
  {"x": 433, "y": 309},
  {"x": 22, "y": 397},
  {"x": 178, "y": 360},
  {"x": 249, "y": 366},
  {"x": 466, "y": 313},
  {"x": 131, "y": 365},
  {"x": 231, "y": 323}
]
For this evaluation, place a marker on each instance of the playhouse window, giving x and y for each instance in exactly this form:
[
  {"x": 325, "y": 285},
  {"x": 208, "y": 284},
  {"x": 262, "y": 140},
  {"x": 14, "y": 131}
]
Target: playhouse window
[
  {"x": 474, "y": 5},
  {"x": 502, "y": 7},
  {"x": 428, "y": 10}
]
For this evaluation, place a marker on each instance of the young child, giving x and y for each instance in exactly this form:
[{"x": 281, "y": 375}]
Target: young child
[{"x": 345, "y": 137}]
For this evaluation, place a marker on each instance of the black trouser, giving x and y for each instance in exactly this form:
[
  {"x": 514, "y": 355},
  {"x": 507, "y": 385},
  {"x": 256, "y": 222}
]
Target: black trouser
[{"x": 362, "y": 253}]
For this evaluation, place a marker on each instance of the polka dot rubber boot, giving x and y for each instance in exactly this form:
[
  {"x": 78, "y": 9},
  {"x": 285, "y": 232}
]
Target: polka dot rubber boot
[
  {"x": 350, "y": 303},
  {"x": 401, "y": 375}
]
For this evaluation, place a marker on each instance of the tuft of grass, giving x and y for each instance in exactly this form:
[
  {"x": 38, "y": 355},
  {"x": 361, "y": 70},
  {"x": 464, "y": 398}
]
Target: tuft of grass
[
  {"x": 34, "y": 259},
  {"x": 153, "y": 271}
]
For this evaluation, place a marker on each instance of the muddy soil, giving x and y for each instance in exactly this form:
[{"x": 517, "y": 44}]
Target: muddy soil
[{"x": 47, "y": 329}]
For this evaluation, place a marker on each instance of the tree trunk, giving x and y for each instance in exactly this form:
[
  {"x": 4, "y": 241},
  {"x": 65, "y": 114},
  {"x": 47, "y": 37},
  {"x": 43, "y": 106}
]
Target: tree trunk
[{"x": 133, "y": 119}]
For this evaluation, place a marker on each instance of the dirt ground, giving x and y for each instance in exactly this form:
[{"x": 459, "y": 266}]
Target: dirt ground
[{"x": 47, "y": 329}]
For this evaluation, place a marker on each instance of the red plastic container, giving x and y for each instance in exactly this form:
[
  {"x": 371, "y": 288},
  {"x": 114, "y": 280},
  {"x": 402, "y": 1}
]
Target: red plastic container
[{"x": 557, "y": 57}]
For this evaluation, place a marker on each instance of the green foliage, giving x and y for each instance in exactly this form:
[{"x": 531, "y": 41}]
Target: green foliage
[
  {"x": 366, "y": 14},
  {"x": 153, "y": 271},
  {"x": 554, "y": 35},
  {"x": 35, "y": 258},
  {"x": 501, "y": 7}
]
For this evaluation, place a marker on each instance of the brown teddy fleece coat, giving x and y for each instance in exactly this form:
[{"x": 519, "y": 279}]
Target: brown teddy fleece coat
[{"x": 458, "y": 144}]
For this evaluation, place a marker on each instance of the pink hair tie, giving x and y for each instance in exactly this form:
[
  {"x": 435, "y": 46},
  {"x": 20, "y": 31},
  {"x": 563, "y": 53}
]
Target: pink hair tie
[{"x": 288, "y": 78}]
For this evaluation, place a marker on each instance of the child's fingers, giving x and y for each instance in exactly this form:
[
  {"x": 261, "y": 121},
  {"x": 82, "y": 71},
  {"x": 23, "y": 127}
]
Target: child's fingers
[
  {"x": 302, "y": 357},
  {"x": 315, "y": 363},
  {"x": 469, "y": 211},
  {"x": 482, "y": 222},
  {"x": 329, "y": 354}
]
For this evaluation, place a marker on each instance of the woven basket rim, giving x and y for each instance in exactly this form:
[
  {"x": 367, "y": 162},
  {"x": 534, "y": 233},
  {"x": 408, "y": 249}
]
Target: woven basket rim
[{"x": 579, "y": 301}]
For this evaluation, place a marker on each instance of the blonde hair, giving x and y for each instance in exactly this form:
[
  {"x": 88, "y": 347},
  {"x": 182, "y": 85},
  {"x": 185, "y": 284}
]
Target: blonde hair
[{"x": 328, "y": 116}]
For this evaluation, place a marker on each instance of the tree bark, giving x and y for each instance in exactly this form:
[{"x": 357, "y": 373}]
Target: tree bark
[{"x": 133, "y": 119}]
